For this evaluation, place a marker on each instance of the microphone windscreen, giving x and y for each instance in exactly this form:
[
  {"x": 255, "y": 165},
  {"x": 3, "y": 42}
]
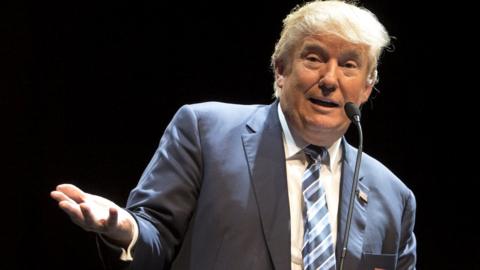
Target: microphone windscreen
[{"x": 352, "y": 110}]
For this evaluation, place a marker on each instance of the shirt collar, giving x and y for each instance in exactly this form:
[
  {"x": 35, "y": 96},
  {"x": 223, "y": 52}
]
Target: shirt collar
[
  {"x": 291, "y": 146},
  {"x": 294, "y": 145}
]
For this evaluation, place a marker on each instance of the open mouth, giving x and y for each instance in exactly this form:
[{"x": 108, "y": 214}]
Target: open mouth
[{"x": 324, "y": 103}]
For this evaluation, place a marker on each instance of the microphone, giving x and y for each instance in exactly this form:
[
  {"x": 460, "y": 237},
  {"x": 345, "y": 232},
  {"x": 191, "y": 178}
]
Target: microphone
[{"x": 353, "y": 112}]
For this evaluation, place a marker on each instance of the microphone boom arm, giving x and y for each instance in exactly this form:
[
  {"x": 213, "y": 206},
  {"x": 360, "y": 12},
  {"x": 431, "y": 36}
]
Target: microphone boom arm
[{"x": 356, "y": 120}]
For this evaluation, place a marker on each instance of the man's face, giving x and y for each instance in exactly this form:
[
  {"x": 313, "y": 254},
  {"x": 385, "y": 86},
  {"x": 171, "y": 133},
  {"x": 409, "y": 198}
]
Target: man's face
[{"x": 324, "y": 72}]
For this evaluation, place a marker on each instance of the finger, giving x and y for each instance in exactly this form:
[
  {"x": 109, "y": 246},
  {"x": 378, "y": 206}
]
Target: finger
[
  {"x": 73, "y": 192},
  {"x": 88, "y": 218},
  {"x": 72, "y": 210},
  {"x": 60, "y": 196},
  {"x": 112, "y": 218}
]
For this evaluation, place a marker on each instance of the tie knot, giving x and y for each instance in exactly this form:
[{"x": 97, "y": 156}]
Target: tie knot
[{"x": 316, "y": 153}]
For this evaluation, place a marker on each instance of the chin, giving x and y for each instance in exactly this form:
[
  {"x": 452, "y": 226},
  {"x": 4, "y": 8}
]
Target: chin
[
  {"x": 322, "y": 122},
  {"x": 326, "y": 127}
]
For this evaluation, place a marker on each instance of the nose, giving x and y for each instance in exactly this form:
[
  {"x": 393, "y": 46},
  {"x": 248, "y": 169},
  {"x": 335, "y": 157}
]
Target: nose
[
  {"x": 327, "y": 89},
  {"x": 328, "y": 83}
]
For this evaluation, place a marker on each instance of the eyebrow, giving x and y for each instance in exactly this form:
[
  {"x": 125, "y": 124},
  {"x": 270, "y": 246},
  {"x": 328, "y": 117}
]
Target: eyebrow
[
  {"x": 316, "y": 48},
  {"x": 323, "y": 52},
  {"x": 352, "y": 54}
]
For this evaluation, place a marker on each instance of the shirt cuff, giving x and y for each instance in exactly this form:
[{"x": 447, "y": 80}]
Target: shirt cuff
[{"x": 127, "y": 254}]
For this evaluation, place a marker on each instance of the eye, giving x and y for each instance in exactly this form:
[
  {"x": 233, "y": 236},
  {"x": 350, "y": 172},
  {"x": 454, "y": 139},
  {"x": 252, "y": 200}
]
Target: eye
[
  {"x": 312, "y": 58},
  {"x": 312, "y": 61},
  {"x": 350, "y": 64}
]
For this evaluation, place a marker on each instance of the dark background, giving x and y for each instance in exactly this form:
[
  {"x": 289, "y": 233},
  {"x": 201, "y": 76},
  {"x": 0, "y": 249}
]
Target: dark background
[{"x": 88, "y": 88}]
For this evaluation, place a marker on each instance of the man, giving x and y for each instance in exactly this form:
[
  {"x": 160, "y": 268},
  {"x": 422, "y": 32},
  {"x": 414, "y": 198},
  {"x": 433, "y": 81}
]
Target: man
[{"x": 268, "y": 186}]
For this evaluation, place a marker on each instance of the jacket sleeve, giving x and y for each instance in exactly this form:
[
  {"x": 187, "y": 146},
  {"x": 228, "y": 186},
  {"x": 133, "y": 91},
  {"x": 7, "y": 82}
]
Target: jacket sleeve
[
  {"x": 407, "y": 254},
  {"x": 166, "y": 195}
]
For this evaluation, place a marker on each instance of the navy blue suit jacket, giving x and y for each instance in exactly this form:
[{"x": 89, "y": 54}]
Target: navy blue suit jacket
[{"x": 215, "y": 196}]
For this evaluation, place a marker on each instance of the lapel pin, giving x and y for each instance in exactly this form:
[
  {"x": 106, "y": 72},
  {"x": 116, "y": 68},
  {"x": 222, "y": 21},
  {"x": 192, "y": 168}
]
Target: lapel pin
[{"x": 363, "y": 196}]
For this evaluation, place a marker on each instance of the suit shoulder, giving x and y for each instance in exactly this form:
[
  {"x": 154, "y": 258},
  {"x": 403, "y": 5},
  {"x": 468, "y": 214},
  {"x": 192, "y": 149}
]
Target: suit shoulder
[
  {"x": 221, "y": 111},
  {"x": 222, "y": 107},
  {"x": 375, "y": 169}
]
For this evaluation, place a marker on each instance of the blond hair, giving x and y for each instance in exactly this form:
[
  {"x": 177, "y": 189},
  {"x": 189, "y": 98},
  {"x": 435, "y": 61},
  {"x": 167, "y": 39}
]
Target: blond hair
[{"x": 346, "y": 20}]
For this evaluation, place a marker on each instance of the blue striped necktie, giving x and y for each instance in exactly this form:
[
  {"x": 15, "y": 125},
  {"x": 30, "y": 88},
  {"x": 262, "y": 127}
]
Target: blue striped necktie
[{"x": 318, "y": 251}]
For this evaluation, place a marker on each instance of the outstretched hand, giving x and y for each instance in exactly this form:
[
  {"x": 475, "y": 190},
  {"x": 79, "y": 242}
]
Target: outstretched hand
[{"x": 95, "y": 213}]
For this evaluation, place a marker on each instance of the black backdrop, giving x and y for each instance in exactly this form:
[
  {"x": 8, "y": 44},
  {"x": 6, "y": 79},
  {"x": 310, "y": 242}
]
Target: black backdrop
[{"x": 90, "y": 87}]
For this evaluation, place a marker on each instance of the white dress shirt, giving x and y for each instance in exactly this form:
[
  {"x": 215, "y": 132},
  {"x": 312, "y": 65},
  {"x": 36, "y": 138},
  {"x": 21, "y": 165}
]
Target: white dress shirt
[{"x": 330, "y": 175}]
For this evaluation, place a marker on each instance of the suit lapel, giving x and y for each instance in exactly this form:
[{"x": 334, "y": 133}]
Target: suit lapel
[
  {"x": 266, "y": 159},
  {"x": 357, "y": 229}
]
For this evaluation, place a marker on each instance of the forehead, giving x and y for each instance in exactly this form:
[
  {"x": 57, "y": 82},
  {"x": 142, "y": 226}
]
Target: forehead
[{"x": 331, "y": 44}]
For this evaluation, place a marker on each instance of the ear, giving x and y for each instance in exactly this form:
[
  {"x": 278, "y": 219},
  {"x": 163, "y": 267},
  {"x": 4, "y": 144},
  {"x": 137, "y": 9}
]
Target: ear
[
  {"x": 279, "y": 74},
  {"x": 369, "y": 83},
  {"x": 365, "y": 94}
]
